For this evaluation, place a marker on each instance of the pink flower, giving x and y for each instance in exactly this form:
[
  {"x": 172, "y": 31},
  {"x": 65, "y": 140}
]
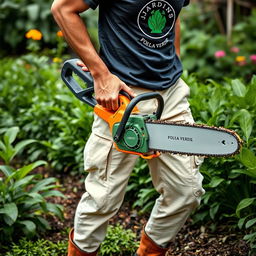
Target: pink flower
[
  {"x": 220, "y": 54},
  {"x": 235, "y": 49},
  {"x": 253, "y": 58}
]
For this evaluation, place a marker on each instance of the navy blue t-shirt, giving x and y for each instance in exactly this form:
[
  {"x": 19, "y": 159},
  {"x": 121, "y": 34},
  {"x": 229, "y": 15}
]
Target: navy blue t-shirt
[{"x": 137, "y": 40}]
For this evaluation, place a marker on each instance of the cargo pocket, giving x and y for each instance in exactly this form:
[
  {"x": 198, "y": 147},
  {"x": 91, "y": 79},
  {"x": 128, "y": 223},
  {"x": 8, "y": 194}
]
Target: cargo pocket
[
  {"x": 96, "y": 154},
  {"x": 196, "y": 162}
]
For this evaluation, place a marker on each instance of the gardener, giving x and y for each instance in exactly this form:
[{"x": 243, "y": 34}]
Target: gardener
[{"x": 137, "y": 55}]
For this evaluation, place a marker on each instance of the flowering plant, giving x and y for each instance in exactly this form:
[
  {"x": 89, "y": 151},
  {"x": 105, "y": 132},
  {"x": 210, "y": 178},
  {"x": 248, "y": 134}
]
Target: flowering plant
[
  {"x": 235, "y": 60},
  {"x": 34, "y": 36}
]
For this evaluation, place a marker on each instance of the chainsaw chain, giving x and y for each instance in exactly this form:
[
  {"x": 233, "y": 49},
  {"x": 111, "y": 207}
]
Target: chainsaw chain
[{"x": 180, "y": 123}]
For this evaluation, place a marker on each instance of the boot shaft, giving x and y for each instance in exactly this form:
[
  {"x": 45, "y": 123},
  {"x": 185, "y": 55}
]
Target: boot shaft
[
  {"x": 73, "y": 250},
  {"x": 149, "y": 248}
]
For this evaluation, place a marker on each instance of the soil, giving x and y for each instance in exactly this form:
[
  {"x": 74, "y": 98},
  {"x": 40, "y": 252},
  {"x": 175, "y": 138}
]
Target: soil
[{"x": 191, "y": 240}]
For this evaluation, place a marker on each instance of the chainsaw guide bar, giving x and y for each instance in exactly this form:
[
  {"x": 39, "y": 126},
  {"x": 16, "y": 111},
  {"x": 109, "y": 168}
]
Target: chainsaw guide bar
[{"x": 237, "y": 144}]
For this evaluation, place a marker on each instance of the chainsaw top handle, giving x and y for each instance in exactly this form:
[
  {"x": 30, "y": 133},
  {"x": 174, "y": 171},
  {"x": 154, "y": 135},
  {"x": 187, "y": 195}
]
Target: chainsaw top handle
[
  {"x": 130, "y": 107},
  {"x": 85, "y": 95}
]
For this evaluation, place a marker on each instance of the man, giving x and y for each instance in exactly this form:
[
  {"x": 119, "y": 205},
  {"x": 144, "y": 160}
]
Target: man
[{"x": 137, "y": 55}]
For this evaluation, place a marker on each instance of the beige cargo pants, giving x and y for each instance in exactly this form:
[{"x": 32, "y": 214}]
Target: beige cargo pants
[{"x": 175, "y": 177}]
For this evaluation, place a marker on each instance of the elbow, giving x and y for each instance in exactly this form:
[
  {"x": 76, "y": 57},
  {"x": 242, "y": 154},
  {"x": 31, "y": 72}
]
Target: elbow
[
  {"x": 55, "y": 9},
  {"x": 58, "y": 10}
]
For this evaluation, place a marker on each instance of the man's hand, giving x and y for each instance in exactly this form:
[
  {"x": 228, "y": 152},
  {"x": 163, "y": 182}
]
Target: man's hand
[{"x": 107, "y": 88}]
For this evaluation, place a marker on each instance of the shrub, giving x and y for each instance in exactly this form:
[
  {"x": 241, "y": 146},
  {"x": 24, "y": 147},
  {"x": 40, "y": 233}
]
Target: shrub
[
  {"x": 207, "y": 52},
  {"x": 40, "y": 248},
  {"x": 32, "y": 96},
  {"x": 23, "y": 204},
  {"x": 118, "y": 242},
  {"x": 229, "y": 182}
]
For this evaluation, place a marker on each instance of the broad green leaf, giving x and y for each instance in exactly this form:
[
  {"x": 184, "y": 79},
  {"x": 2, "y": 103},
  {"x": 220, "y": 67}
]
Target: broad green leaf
[
  {"x": 250, "y": 223},
  {"x": 19, "y": 146},
  {"x": 244, "y": 204},
  {"x": 245, "y": 120},
  {"x": 33, "y": 11},
  {"x": 29, "y": 226},
  {"x": 216, "y": 101},
  {"x": 248, "y": 158},
  {"x": 22, "y": 172},
  {"x": 23, "y": 182},
  {"x": 215, "y": 182},
  {"x": 52, "y": 193},
  {"x": 238, "y": 87},
  {"x": 55, "y": 209},
  {"x": 44, "y": 222},
  {"x": 207, "y": 196},
  {"x": 2, "y": 146},
  {"x": 8, "y": 154},
  {"x": 11, "y": 135},
  {"x": 214, "y": 209},
  {"x": 250, "y": 236},
  {"x": 64, "y": 97},
  {"x": 35, "y": 199},
  {"x": 250, "y": 172},
  {"x": 253, "y": 81},
  {"x": 8, "y": 220},
  {"x": 7, "y": 170},
  {"x": 241, "y": 222},
  {"x": 250, "y": 97},
  {"x": 11, "y": 211},
  {"x": 42, "y": 184}
]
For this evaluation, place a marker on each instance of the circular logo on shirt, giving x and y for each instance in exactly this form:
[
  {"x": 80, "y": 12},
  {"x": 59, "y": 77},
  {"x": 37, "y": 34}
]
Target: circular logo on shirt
[{"x": 156, "y": 19}]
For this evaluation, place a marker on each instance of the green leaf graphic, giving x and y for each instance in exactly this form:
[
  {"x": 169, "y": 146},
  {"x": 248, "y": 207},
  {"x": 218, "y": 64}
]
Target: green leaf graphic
[{"x": 157, "y": 21}]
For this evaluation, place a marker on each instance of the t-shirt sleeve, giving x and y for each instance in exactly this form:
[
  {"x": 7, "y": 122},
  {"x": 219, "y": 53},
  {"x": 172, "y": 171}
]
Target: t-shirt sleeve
[
  {"x": 186, "y": 2},
  {"x": 92, "y": 3}
]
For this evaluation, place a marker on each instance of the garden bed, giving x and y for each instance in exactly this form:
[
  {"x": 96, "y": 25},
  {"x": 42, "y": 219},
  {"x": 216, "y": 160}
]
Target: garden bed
[{"x": 191, "y": 240}]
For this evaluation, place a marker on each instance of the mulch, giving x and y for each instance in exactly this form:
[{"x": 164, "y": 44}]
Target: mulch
[{"x": 191, "y": 240}]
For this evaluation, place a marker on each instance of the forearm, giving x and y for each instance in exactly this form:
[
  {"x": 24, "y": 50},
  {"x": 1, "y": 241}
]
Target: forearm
[{"x": 77, "y": 36}]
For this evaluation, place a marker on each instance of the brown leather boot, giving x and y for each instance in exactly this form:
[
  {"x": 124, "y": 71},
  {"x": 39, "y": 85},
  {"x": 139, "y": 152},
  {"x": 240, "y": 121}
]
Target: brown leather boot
[
  {"x": 149, "y": 248},
  {"x": 73, "y": 250}
]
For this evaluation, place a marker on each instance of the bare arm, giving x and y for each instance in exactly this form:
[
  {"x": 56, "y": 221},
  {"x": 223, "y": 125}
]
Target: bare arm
[
  {"x": 177, "y": 37},
  {"x": 106, "y": 85}
]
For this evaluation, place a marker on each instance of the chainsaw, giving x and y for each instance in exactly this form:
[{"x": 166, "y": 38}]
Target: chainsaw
[{"x": 147, "y": 135}]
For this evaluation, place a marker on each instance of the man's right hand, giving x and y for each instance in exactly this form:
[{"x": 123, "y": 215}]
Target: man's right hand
[{"x": 107, "y": 87}]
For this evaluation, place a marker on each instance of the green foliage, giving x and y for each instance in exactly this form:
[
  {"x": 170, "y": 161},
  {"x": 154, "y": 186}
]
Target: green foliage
[
  {"x": 23, "y": 203},
  {"x": 140, "y": 187},
  {"x": 28, "y": 15},
  {"x": 200, "y": 44},
  {"x": 31, "y": 14},
  {"x": 40, "y": 248},
  {"x": 230, "y": 183},
  {"x": 7, "y": 150},
  {"x": 118, "y": 242},
  {"x": 23, "y": 195},
  {"x": 32, "y": 96}
]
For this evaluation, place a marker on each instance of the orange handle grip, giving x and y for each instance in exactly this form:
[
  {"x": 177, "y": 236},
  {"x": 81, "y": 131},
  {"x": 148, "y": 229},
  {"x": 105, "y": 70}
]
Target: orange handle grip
[{"x": 112, "y": 117}]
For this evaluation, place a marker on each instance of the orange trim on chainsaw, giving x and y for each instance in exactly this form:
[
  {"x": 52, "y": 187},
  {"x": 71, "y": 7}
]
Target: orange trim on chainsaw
[
  {"x": 147, "y": 157},
  {"x": 112, "y": 117}
]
